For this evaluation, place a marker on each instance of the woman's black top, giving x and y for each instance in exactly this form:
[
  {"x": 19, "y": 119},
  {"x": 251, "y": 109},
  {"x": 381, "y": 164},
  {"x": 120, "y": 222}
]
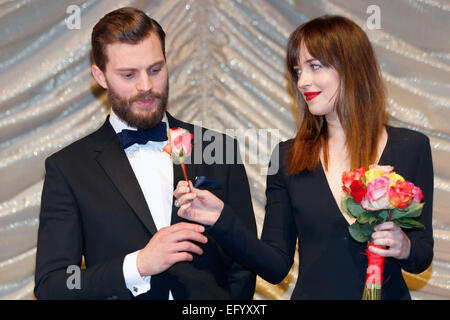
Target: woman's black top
[{"x": 331, "y": 264}]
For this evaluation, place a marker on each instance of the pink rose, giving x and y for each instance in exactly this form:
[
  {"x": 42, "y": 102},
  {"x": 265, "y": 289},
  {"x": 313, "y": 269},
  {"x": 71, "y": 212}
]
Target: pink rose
[
  {"x": 179, "y": 145},
  {"x": 377, "y": 195},
  {"x": 418, "y": 195}
]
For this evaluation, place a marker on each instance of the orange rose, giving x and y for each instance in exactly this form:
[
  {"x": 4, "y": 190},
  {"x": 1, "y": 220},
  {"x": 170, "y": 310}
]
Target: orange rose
[{"x": 401, "y": 195}]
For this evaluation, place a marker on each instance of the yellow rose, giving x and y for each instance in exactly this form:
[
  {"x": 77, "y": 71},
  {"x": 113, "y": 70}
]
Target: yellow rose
[
  {"x": 375, "y": 171},
  {"x": 394, "y": 177},
  {"x": 373, "y": 174}
]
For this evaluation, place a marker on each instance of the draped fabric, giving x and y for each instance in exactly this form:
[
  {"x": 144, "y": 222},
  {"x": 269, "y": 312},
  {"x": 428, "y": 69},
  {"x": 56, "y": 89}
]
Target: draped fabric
[{"x": 227, "y": 71}]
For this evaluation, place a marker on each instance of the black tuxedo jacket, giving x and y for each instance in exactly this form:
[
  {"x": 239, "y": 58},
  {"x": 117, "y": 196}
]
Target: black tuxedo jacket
[{"x": 92, "y": 206}]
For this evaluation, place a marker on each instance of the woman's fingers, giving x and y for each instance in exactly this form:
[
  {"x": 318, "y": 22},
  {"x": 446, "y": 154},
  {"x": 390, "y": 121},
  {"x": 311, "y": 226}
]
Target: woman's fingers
[
  {"x": 186, "y": 198},
  {"x": 181, "y": 189},
  {"x": 185, "y": 211},
  {"x": 389, "y": 225},
  {"x": 391, "y": 236}
]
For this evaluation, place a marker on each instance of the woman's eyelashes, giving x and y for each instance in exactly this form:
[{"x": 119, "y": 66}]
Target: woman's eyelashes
[{"x": 312, "y": 66}]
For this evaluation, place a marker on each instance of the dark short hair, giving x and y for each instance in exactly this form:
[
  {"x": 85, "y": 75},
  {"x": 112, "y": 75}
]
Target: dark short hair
[{"x": 127, "y": 25}]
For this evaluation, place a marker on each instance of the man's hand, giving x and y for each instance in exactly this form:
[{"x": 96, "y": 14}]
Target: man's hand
[{"x": 168, "y": 246}]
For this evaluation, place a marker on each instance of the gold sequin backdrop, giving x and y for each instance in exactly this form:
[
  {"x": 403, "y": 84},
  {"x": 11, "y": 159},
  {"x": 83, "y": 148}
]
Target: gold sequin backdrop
[{"x": 226, "y": 62}]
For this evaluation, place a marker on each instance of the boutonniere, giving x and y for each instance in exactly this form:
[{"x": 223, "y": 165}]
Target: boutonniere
[{"x": 179, "y": 146}]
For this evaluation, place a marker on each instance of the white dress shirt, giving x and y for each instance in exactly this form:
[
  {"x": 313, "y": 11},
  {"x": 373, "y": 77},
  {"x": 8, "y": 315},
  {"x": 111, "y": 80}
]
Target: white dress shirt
[{"x": 153, "y": 168}]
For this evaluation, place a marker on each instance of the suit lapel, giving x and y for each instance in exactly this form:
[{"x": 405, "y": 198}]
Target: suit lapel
[
  {"x": 114, "y": 161},
  {"x": 177, "y": 170}
]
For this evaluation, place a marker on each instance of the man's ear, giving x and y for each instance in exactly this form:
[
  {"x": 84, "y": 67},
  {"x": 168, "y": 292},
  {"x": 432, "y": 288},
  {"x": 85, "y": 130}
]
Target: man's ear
[{"x": 99, "y": 76}]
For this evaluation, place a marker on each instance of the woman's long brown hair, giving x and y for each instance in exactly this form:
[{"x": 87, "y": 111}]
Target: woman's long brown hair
[{"x": 339, "y": 43}]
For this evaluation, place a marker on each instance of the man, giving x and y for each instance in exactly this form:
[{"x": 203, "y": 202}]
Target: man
[{"x": 110, "y": 200}]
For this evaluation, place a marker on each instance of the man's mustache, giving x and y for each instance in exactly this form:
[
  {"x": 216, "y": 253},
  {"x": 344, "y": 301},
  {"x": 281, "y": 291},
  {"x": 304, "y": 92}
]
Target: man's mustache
[{"x": 147, "y": 95}]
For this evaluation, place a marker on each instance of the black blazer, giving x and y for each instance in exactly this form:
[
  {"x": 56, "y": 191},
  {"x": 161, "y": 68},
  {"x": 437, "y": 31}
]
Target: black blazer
[
  {"x": 331, "y": 264},
  {"x": 92, "y": 206}
]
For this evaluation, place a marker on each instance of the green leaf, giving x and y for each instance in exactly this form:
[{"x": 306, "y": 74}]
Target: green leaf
[
  {"x": 363, "y": 218},
  {"x": 414, "y": 210},
  {"x": 367, "y": 217},
  {"x": 382, "y": 216},
  {"x": 397, "y": 214},
  {"x": 360, "y": 232},
  {"x": 352, "y": 208},
  {"x": 344, "y": 204},
  {"x": 408, "y": 223}
]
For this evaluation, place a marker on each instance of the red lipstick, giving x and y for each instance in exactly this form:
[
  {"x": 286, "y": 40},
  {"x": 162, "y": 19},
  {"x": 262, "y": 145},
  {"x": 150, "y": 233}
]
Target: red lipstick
[{"x": 311, "y": 95}]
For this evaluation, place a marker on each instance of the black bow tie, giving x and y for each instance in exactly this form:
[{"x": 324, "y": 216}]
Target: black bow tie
[{"x": 129, "y": 137}]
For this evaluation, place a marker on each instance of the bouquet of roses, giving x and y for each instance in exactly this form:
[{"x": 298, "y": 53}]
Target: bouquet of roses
[{"x": 373, "y": 197}]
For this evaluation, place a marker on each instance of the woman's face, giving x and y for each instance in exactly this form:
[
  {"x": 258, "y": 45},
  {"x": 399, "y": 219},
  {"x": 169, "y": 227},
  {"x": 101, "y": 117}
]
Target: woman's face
[{"x": 317, "y": 84}]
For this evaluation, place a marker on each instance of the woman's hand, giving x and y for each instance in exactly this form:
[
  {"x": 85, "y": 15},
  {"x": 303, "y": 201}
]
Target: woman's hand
[
  {"x": 197, "y": 205},
  {"x": 392, "y": 236}
]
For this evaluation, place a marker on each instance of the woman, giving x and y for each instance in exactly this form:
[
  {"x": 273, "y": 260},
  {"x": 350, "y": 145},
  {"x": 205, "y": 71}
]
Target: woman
[{"x": 341, "y": 94}]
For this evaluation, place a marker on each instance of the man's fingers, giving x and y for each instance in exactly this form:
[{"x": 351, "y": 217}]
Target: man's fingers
[
  {"x": 179, "y": 257},
  {"x": 189, "y": 235},
  {"x": 186, "y": 246},
  {"x": 185, "y": 226}
]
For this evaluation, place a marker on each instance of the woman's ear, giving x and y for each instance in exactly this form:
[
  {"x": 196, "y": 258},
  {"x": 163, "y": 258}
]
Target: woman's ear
[{"x": 99, "y": 76}]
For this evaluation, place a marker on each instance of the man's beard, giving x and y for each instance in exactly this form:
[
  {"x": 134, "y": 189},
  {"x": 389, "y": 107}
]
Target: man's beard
[{"x": 145, "y": 120}]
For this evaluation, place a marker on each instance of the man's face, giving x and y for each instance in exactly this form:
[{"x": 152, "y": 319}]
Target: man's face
[{"x": 136, "y": 78}]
